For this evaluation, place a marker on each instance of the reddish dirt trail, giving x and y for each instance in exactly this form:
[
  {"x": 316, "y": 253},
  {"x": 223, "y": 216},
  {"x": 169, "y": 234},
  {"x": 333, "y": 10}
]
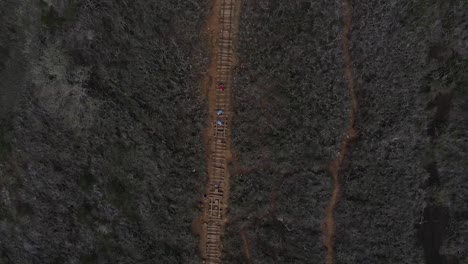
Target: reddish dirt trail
[
  {"x": 221, "y": 30},
  {"x": 350, "y": 136},
  {"x": 245, "y": 245}
]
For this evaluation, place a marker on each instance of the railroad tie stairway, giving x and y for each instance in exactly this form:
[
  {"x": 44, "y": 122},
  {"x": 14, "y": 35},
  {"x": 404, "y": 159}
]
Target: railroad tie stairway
[{"x": 216, "y": 205}]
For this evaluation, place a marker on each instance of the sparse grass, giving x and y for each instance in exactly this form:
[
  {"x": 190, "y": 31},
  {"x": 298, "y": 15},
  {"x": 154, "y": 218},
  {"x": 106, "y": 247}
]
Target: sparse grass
[
  {"x": 87, "y": 180},
  {"x": 5, "y": 139},
  {"x": 91, "y": 258},
  {"x": 85, "y": 215},
  {"x": 122, "y": 198},
  {"x": 54, "y": 19}
]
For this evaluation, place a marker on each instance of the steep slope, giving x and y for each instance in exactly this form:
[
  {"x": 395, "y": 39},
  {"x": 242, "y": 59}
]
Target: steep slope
[{"x": 106, "y": 144}]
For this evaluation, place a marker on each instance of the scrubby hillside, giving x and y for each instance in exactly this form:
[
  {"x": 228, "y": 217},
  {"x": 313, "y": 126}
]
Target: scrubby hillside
[
  {"x": 290, "y": 104},
  {"x": 101, "y": 154},
  {"x": 405, "y": 186},
  {"x": 403, "y": 183},
  {"x": 102, "y": 157}
]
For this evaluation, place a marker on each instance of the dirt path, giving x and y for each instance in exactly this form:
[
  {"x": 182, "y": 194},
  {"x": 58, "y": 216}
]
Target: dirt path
[
  {"x": 350, "y": 136},
  {"x": 222, "y": 29}
]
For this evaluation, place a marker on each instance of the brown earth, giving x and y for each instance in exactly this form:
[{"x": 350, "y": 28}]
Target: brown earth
[
  {"x": 227, "y": 11},
  {"x": 336, "y": 165}
]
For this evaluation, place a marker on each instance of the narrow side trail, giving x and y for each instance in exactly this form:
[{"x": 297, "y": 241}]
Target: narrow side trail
[
  {"x": 222, "y": 30},
  {"x": 351, "y": 134}
]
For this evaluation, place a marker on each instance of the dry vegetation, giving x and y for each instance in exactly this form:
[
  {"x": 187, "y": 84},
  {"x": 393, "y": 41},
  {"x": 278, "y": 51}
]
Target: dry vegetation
[
  {"x": 290, "y": 106},
  {"x": 290, "y": 112},
  {"x": 103, "y": 156}
]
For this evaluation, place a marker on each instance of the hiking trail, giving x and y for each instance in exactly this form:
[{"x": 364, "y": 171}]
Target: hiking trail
[
  {"x": 329, "y": 228},
  {"x": 222, "y": 30}
]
